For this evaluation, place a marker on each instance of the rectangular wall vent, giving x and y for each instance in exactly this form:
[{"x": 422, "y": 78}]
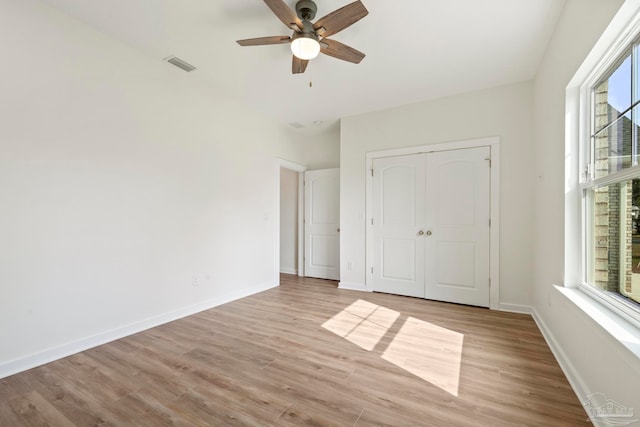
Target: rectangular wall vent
[{"x": 180, "y": 63}]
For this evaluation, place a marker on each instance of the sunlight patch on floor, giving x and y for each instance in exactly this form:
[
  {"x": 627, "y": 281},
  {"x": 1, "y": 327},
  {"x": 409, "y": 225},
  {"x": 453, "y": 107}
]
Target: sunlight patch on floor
[
  {"x": 428, "y": 351},
  {"x": 362, "y": 323}
]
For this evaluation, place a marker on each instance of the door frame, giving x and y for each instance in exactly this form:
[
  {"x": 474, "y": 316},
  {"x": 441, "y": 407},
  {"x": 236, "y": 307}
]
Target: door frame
[
  {"x": 300, "y": 168},
  {"x": 494, "y": 193}
]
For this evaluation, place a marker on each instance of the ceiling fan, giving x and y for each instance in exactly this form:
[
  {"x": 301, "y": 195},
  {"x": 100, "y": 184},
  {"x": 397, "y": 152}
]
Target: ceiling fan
[{"x": 309, "y": 39}]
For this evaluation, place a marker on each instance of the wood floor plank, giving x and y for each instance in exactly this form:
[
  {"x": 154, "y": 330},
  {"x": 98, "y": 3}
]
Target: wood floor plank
[
  {"x": 8, "y": 416},
  {"x": 160, "y": 408},
  {"x": 307, "y": 353},
  {"x": 300, "y": 415},
  {"x": 200, "y": 407},
  {"x": 32, "y": 409},
  {"x": 19, "y": 384},
  {"x": 76, "y": 404}
]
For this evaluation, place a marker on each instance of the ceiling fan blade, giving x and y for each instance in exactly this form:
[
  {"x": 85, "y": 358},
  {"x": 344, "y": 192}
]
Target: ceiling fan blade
[
  {"x": 259, "y": 41},
  {"x": 299, "y": 65},
  {"x": 341, "y": 51},
  {"x": 285, "y": 14},
  {"x": 340, "y": 19}
]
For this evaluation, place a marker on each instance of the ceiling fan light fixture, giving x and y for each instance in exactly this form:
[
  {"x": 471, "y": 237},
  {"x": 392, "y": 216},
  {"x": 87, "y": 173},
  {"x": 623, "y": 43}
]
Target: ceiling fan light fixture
[{"x": 305, "y": 47}]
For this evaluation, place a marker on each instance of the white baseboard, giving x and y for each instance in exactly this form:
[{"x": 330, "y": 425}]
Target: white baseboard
[
  {"x": 515, "y": 308},
  {"x": 54, "y": 353},
  {"x": 289, "y": 271},
  {"x": 575, "y": 380},
  {"x": 352, "y": 286}
]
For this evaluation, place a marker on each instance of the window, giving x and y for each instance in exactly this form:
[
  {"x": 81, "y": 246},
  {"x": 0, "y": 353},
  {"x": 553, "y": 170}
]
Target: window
[{"x": 611, "y": 182}]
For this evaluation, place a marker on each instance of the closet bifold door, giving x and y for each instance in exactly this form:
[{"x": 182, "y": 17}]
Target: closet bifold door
[
  {"x": 399, "y": 225},
  {"x": 457, "y": 251},
  {"x": 431, "y": 229}
]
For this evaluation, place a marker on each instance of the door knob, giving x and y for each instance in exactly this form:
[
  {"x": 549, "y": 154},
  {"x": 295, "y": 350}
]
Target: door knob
[
  {"x": 429, "y": 233},
  {"x": 420, "y": 233}
]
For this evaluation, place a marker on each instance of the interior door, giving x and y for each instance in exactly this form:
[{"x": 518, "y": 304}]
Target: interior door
[
  {"x": 322, "y": 214},
  {"x": 458, "y": 230},
  {"x": 431, "y": 225},
  {"x": 399, "y": 216}
]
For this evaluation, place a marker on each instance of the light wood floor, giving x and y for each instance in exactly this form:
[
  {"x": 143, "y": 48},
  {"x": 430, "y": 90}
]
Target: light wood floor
[{"x": 307, "y": 353}]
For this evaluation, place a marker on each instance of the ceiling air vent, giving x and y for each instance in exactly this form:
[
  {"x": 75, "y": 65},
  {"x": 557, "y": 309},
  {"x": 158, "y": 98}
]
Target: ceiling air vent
[{"x": 180, "y": 63}]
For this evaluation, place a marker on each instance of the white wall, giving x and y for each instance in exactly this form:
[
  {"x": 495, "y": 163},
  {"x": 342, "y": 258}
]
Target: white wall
[
  {"x": 288, "y": 221},
  {"x": 120, "y": 180},
  {"x": 504, "y": 112},
  {"x": 322, "y": 150},
  {"x": 597, "y": 362}
]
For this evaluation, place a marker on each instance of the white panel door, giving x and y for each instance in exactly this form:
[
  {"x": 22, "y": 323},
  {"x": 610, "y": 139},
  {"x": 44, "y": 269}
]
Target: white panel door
[
  {"x": 399, "y": 215},
  {"x": 431, "y": 225},
  {"x": 322, "y": 222},
  {"x": 457, "y": 233}
]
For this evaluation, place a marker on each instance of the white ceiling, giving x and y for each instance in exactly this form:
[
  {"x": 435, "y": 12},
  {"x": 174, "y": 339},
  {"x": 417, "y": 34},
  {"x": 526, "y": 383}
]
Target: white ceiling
[{"x": 416, "y": 49}]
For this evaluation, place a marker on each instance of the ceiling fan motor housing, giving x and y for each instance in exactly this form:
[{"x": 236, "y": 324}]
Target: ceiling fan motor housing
[
  {"x": 306, "y": 10},
  {"x": 306, "y": 31}
]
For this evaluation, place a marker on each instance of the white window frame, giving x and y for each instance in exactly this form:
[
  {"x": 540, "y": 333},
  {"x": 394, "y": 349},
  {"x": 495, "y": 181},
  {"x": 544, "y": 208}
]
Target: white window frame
[{"x": 622, "y": 31}]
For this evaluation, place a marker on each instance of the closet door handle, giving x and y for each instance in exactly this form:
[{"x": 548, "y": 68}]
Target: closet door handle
[
  {"x": 429, "y": 233},
  {"x": 420, "y": 233}
]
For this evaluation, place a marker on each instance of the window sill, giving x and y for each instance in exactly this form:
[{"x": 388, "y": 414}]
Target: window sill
[{"x": 620, "y": 329}]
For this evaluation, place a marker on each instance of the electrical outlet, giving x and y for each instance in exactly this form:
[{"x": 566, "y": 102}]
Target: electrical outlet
[
  {"x": 195, "y": 281},
  {"x": 349, "y": 266}
]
